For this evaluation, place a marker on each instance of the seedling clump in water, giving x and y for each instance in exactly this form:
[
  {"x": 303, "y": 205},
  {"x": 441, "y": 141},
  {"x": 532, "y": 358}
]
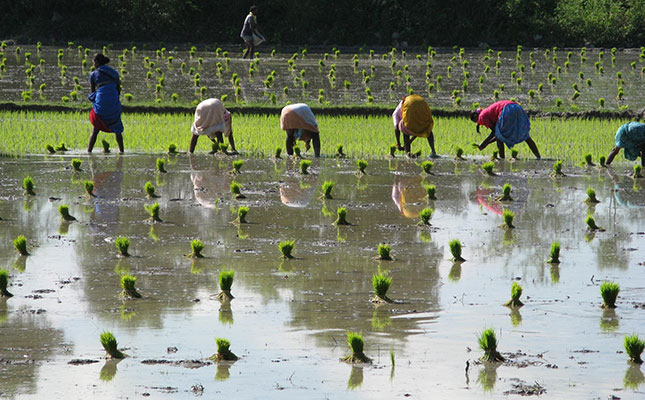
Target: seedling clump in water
[
  {"x": 393, "y": 150},
  {"x": 634, "y": 348},
  {"x": 61, "y": 147},
  {"x": 339, "y": 151},
  {"x": 223, "y": 351},
  {"x": 236, "y": 191},
  {"x": 50, "y": 149},
  {"x": 20, "y": 243},
  {"x": 506, "y": 193},
  {"x": 588, "y": 161},
  {"x": 161, "y": 165},
  {"x": 591, "y": 223},
  {"x": 514, "y": 154},
  {"x": 304, "y": 166},
  {"x": 591, "y": 196},
  {"x": 383, "y": 251},
  {"x": 508, "y": 216},
  {"x": 455, "y": 250},
  {"x": 430, "y": 191},
  {"x": 602, "y": 160},
  {"x": 356, "y": 344},
  {"x": 127, "y": 284},
  {"x": 4, "y": 282},
  {"x": 637, "y": 171},
  {"x": 609, "y": 292},
  {"x": 459, "y": 153},
  {"x": 196, "y": 246},
  {"x": 327, "y": 187},
  {"x": 76, "y": 164},
  {"x": 153, "y": 211},
  {"x": 557, "y": 169},
  {"x": 110, "y": 345},
  {"x": 286, "y": 247},
  {"x": 427, "y": 167},
  {"x": 241, "y": 214},
  {"x": 278, "y": 151},
  {"x": 225, "y": 284},
  {"x": 516, "y": 292},
  {"x": 488, "y": 343},
  {"x": 106, "y": 146},
  {"x": 149, "y": 188},
  {"x": 341, "y": 214},
  {"x": 488, "y": 168},
  {"x": 89, "y": 188},
  {"x": 361, "y": 164},
  {"x": 172, "y": 149},
  {"x": 28, "y": 185},
  {"x": 555, "y": 253},
  {"x": 425, "y": 216},
  {"x": 381, "y": 283},
  {"x": 237, "y": 165},
  {"x": 122, "y": 244},
  {"x": 63, "y": 210}
]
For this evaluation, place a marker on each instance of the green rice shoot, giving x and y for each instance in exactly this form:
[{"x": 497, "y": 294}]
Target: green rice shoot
[
  {"x": 327, "y": 187},
  {"x": 430, "y": 191},
  {"x": 506, "y": 192},
  {"x": 591, "y": 223},
  {"x": 425, "y": 216},
  {"x": 161, "y": 165},
  {"x": 591, "y": 196},
  {"x": 149, "y": 188},
  {"x": 20, "y": 244},
  {"x": 516, "y": 292},
  {"x": 634, "y": 348},
  {"x": 304, "y": 166},
  {"x": 361, "y": 164},
  {"x": 455, "y": 250},
  {"x": 106, "y": 146},
  {"x": 341, "y": 216},
  {"x": 223, "y": 351},
  {"x": 381, "y": 284},
  {"x": 196, "y": 246},
  {"x": 89, "y": 188},
  {"x": 383, "y": 251},
  {"x": 122, "y": 244},
  {"x": 609, "y": 293},
  {"x": 554, "y": 253},
  {"x": 153, "y": 211},
  {"x": 225, "y": 284},
  {"x": 286, "y": 247},
  {"x": 128, "y": 283},
  {"x": 488, "y": 343},
  {"x": 237, "y": 165},
  {"x": 76, "y": 164},
  {"x": 63, "y": 210},
  {"x": 637, "y": 171},
  {"x": 356, "y": 344},
  {"x": 508, "y": 216},
  {"x": 28, "y": 185},
  {"x": 488, "y": 167},
  {"x": 241, "y": 214},
  {"x": 108, "y": 341},
  {"x": 427, "y": 166},
  {"x": 4, "y": 282}
]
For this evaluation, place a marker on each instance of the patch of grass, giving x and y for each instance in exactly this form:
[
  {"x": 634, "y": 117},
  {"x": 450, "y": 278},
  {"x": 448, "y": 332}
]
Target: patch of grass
[
  {"x": 223, "y": 351},
  {"x": 634, "y": 348},
  {"x": 488, "y": 168},
  {"x": 591, "y": 223},
  {"x": 237, "y": 165},
  {"x": 122, "y": 244},
  {"x": 241, "y": 214},
  {"x": 4, "y": 282},
  {"x": 506, "y": 193},
  {"x": 304, "y": 166},
  {"x": 89, "y": 188},
  {"x": 225, "y": 284},
  {"x": 128, "y": 285},
  {"x": 383, "y": 251},
  {"x": 488, "y": 343},
  {"x": 430, "y": 191},
  {"x": 28, "y": 185},
  {"x": 425, "y": 216},
  {"x": 508, "y": 216},
  {"x": 455, "y": 250},
  {"x": 381, "y": 284},
  {"x": 236, "y": 190},
  {"x": 172, "y": 149},
  {"x": 76, "y": 164},
  {"x": 149, "y": 188},
  {"x": 609, "y": 293},
  {"x": 153, "y": 211},
  {"x": 361, "y": 164},
  {"x": 63, "y": 210},
  {"x": 555, "y": 253},
  {"x": 557, "y": 168},
  {"x": 427, "y": 166},
  {"x": 591, "y": 196},
  {"x": 356, "y": 344},
  {"x": 161, "y": 165},
  {"x": 286, "y": 247},
  {"x": 341, "y": 216},
  {"x": 327, "y": 187},
  {"x": 108, "y": 341},
  {"x": 588, "y": 160},
  {"x": 20, "y": 243},
  {"x": 196, "y": 246},
  {"x": 516, "y": 292}
]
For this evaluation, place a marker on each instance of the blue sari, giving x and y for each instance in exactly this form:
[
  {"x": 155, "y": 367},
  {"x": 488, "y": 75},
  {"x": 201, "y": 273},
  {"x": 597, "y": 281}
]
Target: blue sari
[
  {"x": 513, "y": 125},
  {"x": 106, "y": 103}
]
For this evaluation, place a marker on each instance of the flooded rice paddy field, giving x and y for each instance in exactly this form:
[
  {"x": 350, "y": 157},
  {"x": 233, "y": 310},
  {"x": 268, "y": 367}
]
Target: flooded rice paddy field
[
  {"x": 575, "y": 77},
  {"x": 289, "y": 318}
]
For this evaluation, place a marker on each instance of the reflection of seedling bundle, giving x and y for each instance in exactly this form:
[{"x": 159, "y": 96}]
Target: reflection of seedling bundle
[
  {"x": 591, "y": 196},
  {"x": 304, "y": 166},
  {"x": 430, "y": 191},
  {"x": 591, "y": 223},
  {"x": 225, "y": 284},
  {"x": 327, "y": 187},
  {"x": 425, "y": 216},
  {"x": 89, "y": 188},
  {"x": 161, "y": 165},
  {"x": 381, "y": 283},
  {"x": 237, "y": 165},
  {"x": 28, "y": 185},
  {"x": 383, "y": 251},
  {"x": 241, "y": 214},
  {"x": 427, "y": 166},
  {"x": 76, "y": 164},
  {"x": 20, "y": 243},
  {"x": 341, "y": 214},
  {"x": 196, "y": 246},
  {"x": 122, "y": 244},
  {"x": 110, "y": 345},
  {"x": 609, "y": 292},
  {"x": 236, "y": 190},
  {"x": 361, "y": 164},
  {"x": 153, "y": 211},
  {"x": 634, "y": 348},
  {"x": 106, "y": 146},
  {"x": 455, "y": 250},
  {"x": 149, "y": 188},
  {"x": 128, "y": 285},
  {"x": 508, "y": 216},
  {"x": 63, "y": 210},
  {"x": 488, "y": 343},
  {"x": 223, "y": 351},
  {"x": 555, "y": 253},
  {"x": 286, "y": 247},
  {"x": 488, "y": 168},
  {"x": 516, "y": 292},
  {"x": 356, "y": 344},
  {"x": 637, "y": 171},
  {"x": 506, "y": 193},
  {"x": 4, "y": 282}
]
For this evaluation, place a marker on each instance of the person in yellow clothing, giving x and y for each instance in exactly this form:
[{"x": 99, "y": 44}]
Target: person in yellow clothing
[{"x": 413, "y": 118}]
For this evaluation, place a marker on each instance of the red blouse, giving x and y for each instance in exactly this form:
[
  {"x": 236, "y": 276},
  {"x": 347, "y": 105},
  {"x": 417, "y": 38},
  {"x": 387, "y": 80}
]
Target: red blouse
[{"x": 489, "y": 116}]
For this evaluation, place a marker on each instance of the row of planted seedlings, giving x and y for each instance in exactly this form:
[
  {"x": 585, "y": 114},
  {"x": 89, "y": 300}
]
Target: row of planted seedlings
[{"x": 381, "y": 282}]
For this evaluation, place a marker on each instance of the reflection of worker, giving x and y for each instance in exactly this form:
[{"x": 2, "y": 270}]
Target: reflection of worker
[
  {"x": 509, "y": 125},
  {"x": 625, "y": 193},
  {"x": 300, "y": 124},
  {"x": 209, "y": 184},
  {"x": 107, "y": 191},
  {"x": 408, "y": 195},
  {"x": 413, "y": 117},
  {"x": 631, "y": 137},
  {"x": 212, "y": 119},
  {"x": 489, "y": 198}
]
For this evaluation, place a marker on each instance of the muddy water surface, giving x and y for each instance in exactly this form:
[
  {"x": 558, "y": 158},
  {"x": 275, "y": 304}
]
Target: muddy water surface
[{"x": 288, "y": 320}]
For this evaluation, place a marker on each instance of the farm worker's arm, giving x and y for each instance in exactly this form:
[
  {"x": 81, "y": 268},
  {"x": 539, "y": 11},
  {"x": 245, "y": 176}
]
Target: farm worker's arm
[
  {"x": 614, "y": 152},
  {"x": 397, "y": 135}
]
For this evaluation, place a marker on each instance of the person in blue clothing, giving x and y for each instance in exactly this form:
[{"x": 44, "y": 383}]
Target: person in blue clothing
[
  {"x": 105, "y": 114},
  {"x": 631, "y": 137}
]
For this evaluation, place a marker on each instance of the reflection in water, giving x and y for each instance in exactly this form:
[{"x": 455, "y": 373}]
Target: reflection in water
[
  {"x": 107, "y": 191},
  {"x": 226, "y": 313},
  {"x": 609, "y": 321},
  {"x": 298, "y": 193},
  {"x": 626, "y": 192},
  {"x": 223, "y": 370},
  {"x": 455, "y": 272},
  {"x": 487, "y": 377},
  {"x": 109, "y": 369},
  {"x": 381, "y": 319},
  {"x": 516, "y": 317},
  {"x": 408, "y": 195},
  {"x": 555, "y": 273},
  {"x": 20, "y": 264},
  {"x": 210, "y": 184},
  {"x": 3, "y": 310},
  {"x": 508, "y": 237},
  {"x": 488, "y": 193},
  {"x": 63, "y": 228},
  {"x": 355, "y": 378},
  {"x": 633, "y": 376}
]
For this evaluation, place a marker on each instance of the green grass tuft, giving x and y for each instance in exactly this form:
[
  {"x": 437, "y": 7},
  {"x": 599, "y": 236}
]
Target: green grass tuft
[
  {"x": 591, "y": 196},
  {"x": 196, "y": 246},
  {"x": 122, "y": 244},
  {"x": 4, "y": 282},
  {"x": 430, "y": 191},
  {"x": 20, "y": 243},
  {"x": 149, "y": 188},
  {"x": 226, "y": 280},
  {"x": 76, "y": 164},
  {"x": 555, "y": 253},
  {"x": 172, "y": 149},
  {"x": 488, "y": 167},
  {"x": 236, "y": 190},
  {"x": 637, "y": 171},
  {"x": 508, "y": 216},
  {"x": 327, "y": 187},
  {"x": 356, "y": 344},
  {"x": 304, "y": 166},
  {"x": 602, "y": 161},
  {"x": 427, "y": 166},
  {"x": 341, "y": 216},
  {"x": 28, "y": 185},
  {"x": 516, "y": 292},
  {"x": 237, "y": 165},
  {"x": 588, "y": 160},
  {"x": 50, "y": 149},
  {"x": 591, "y": 223},
  {"x": 361, "y": 164},
  {"x": 425, "y": 215},
  {"x": 241, "y": 214},
  {"x": 455, "y": 250},
  {"x": 557, "y": 168},
  {"x": 63, "y": 210},
  {"x": 286, "y": 247},
  {"x": 506, "y": 192},
  {"x": 223, "y": 351},
  {"x": 459, "y": 153},
  {"x": 609, "y": 292},
  {"x": 383, "y": 251},
  {"x": 634, "y": 347},
  {"x": 381, "y": 284},
  {"x": 89, "y": 188},
  {"x": 393, "y": 150},
  {"x": 161, "y": 165},
  {"x": 128, "y": 285},
  {"x": 488, "y": 343},
  {"x": 108, "y": 341},
  {"x": 153, "y": 211}
]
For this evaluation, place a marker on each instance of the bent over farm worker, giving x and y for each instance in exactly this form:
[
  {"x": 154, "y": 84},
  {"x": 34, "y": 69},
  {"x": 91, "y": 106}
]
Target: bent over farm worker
[
  {"x": 212, "y": 119},
  {"x": 300, "y": 124},
  {"x": 413, "y": 117},
  {"x": 105, "y": 114},
  {"x": 509, "y": 125},
  {"x": 631, "y": 137}
]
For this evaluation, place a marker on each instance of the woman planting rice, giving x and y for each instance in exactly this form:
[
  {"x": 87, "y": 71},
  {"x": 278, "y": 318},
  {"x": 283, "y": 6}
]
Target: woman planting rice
[
  {"x": 508, "y": 123},
  {"x": 300, "y": 124},
  {"x": 413, "y": 117},
  {"x": 631, "y": 137},
  {"x": 106, "y": 108},
  {"x": 212, "y": 119}
]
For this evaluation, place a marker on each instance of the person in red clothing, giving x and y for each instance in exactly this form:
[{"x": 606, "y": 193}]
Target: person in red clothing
[{"x": 509, "y": 125}]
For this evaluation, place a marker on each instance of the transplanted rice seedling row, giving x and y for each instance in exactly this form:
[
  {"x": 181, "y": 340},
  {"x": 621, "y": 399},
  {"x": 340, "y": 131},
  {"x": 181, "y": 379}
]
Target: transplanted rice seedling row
[{"x": 568, "y": 140}]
